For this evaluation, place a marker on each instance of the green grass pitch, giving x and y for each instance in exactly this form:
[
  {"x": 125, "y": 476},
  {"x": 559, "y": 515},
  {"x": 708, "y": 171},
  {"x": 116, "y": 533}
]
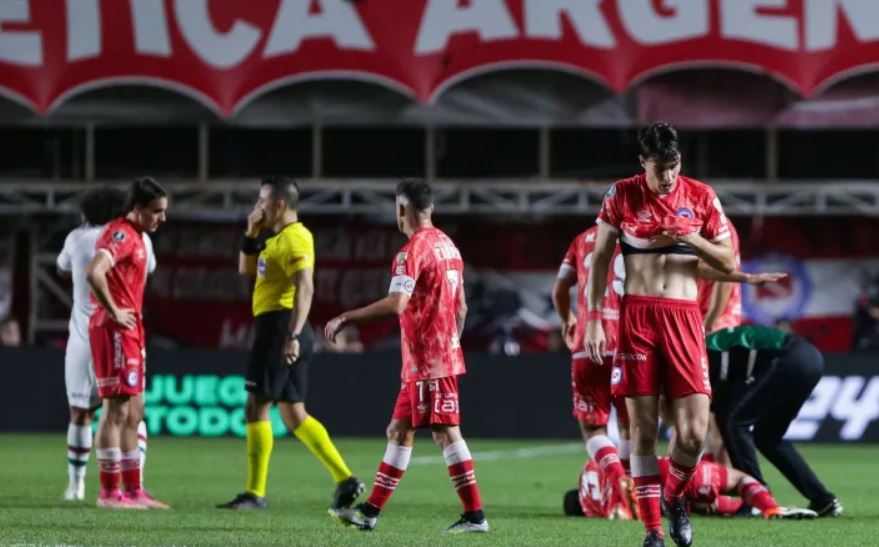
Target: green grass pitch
[{"x": 522, "y": 491}]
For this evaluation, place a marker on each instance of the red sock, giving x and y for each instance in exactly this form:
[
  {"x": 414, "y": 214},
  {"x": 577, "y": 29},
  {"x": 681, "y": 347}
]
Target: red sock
[
  {"x": 645, "y": 473},
  {"x": 756, "y": 495},
  {"x": 610, "y": 464},
  {"x": 679, "y": 475},
  {"x": 130, "y": 466},
  {"x": 647, "y": 496},
  {"x": 727, "y": 505},
  {"x": 386, "y": 479},
  {"x": 464, "y": 478},
  {"x": 108, "y": 467}
]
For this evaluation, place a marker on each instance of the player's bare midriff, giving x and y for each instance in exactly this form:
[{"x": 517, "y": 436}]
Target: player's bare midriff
[{"x": 665, "y": 275}]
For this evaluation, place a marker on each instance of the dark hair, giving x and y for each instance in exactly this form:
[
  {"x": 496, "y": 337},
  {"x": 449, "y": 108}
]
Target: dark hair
[
  {"x": 417, "y": 192},
  {"x": 101, "y": 205},
  {"x": 659, "y": 142},
  {"x": 143, "y": 191},
  {"x": 283, "y": 188}
]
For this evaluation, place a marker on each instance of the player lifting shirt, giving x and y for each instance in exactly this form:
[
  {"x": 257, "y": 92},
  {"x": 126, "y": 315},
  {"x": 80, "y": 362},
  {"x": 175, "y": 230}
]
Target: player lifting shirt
[
  {"x": 665, "y": 223},
  {"x": 427, "y": 293}
]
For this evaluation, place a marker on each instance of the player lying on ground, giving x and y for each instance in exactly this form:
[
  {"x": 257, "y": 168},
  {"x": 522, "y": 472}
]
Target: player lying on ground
[
  {"x": 708, "y": 492},
  {"x": 590, "y": 382},
  {"x": 283, "y": 265},
  {"x": 98, "y": 207},
  {"x": 117, "y": 276},
  {"x": 427, "y": 293}
]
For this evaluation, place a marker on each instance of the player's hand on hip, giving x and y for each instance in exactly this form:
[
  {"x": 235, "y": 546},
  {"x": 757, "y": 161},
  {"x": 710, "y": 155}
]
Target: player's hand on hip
[
  {"x": 125, "y": 317},
  {"x": 569, "y": 331},
  {"x": 290, "y": 352},
  {"x": 594, "y": 341},
  {"x": 760, "y": 279},
  {"x": 333, "y": 328}
]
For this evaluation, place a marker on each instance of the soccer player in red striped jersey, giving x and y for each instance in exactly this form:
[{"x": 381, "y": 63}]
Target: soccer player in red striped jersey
[
  {"x": 427, "y": 293},
  {"x": 666, "y": 224},
  {"x": 117, "y": 276},
  {"x": 590, "y": 382}
]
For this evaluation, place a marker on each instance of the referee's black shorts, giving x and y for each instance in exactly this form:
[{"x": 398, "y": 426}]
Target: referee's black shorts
[{"x": 268, "y": 377}]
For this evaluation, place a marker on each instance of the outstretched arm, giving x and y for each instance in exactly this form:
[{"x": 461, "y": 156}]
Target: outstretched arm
[{"x": 393, "y": 304}]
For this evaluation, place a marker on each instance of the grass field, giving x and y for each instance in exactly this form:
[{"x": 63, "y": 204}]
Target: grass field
[{"x": 522, "y": 484}]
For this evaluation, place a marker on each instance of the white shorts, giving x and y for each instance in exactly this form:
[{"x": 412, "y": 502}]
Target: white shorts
[{"x": 79, "y": 374}]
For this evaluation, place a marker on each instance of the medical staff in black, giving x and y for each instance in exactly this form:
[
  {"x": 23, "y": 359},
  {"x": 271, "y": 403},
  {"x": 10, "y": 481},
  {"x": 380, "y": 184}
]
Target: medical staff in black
[{"x": 761, "y": 377}]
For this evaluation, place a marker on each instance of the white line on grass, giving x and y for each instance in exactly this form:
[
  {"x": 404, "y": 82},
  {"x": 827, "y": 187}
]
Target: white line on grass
[{"x": 517, "y": 454}]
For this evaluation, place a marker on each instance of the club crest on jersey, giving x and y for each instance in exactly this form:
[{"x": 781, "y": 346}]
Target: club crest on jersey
[
  {"x": 118, "y": 235},
  {"x": 261, "y": 267},
  {"x": 401, "y": 258},
  {"x": 684, "y": 212}
]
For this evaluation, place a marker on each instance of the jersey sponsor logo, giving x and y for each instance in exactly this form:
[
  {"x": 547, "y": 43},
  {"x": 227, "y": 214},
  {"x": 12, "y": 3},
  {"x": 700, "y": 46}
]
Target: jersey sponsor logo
[
  {"x": 684, "y": 212},
  {"x": 784, "y": 299},
  {"x": 632, "y": 356},
  {"x": 643, "y": 216},
  {"x": 616, "y": 375},
  {"x": 261, "y": 267},
  {"x": 850, "y": 400},
  {"x": 132, "y": 378}
]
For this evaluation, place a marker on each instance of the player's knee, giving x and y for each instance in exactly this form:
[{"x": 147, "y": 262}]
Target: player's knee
[
  {"x": 81, "y": 416},
  {"x": 256, "y": 410},
  {"x": 690, "y": 439},
  {"x": 397, "y": 435}
]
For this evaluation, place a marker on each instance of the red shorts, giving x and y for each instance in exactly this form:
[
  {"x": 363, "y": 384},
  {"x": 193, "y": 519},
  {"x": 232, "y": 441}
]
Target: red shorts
[
  {"x": 709, "y": 481},
  {"x": 118, "y": 357},
  {"x": 661, "y": 349},
  {"x": 590, "y": 384},
  {"x": 428, "y": 402}
]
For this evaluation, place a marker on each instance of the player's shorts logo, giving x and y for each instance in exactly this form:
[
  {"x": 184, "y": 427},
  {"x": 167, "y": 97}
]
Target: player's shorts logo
[
  {"x": 684, "y": 212},
  {"x": 616, "y": 376},
  {"x": 261, "y": 267},
  {"x": 131, "y": 378}
]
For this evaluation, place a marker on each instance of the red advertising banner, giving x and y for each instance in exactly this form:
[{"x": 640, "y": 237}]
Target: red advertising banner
[{"x": 226, "y": 53}]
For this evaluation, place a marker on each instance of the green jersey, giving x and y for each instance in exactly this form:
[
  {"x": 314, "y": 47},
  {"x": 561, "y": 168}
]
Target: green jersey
[{"x": 751, "y": 337}]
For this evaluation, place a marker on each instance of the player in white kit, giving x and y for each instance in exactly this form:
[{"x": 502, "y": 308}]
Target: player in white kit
[{"x": 98, "y": 207}]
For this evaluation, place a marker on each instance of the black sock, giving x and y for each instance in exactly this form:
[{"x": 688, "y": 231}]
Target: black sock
[
  {"x": 369, "y": 510},
  {"x": 474, "y": 516}
]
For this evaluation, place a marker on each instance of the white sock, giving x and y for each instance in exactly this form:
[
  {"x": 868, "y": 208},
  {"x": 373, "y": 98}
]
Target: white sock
[
  {"x": 596, "y": 443},
  {"x": 142, "y": 446},
  {"x": 397, "y": 456},
  {"x": 79, "y": 446},
  {"x": 457, "y": 452}
]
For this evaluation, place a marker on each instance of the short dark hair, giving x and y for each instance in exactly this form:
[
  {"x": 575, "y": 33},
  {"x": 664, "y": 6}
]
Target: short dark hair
[
  {"x": 143, "y": 191},
  {"x": 417, "y": 192},
  {"x": 103, "y": 204},
  {"x": 283, "y": 188},
  {"x": 659, "y": 142}
]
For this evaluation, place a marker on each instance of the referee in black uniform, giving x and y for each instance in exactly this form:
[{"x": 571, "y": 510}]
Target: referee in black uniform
[{"x": 760, "y": 378}]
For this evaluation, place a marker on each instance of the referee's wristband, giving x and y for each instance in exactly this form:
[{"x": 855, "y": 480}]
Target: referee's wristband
[{"x": 250, "y": 246}]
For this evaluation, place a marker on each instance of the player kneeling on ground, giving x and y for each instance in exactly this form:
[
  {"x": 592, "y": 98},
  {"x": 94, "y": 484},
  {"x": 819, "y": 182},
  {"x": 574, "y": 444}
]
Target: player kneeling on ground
[
  {"x": 709, "y": 492},
  {"x": 427, "y": 293},
  {"x": 761, "y": 378}
]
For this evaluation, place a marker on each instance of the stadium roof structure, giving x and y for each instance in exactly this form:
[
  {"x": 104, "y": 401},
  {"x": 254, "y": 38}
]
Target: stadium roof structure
[
  {"x": 705, "y": 98},
  {"x": 224, "y": 199}
]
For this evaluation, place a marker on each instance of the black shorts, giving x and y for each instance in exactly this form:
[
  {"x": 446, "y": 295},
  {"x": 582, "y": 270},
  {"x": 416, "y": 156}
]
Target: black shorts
[{"x": 267, "y": 376}]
